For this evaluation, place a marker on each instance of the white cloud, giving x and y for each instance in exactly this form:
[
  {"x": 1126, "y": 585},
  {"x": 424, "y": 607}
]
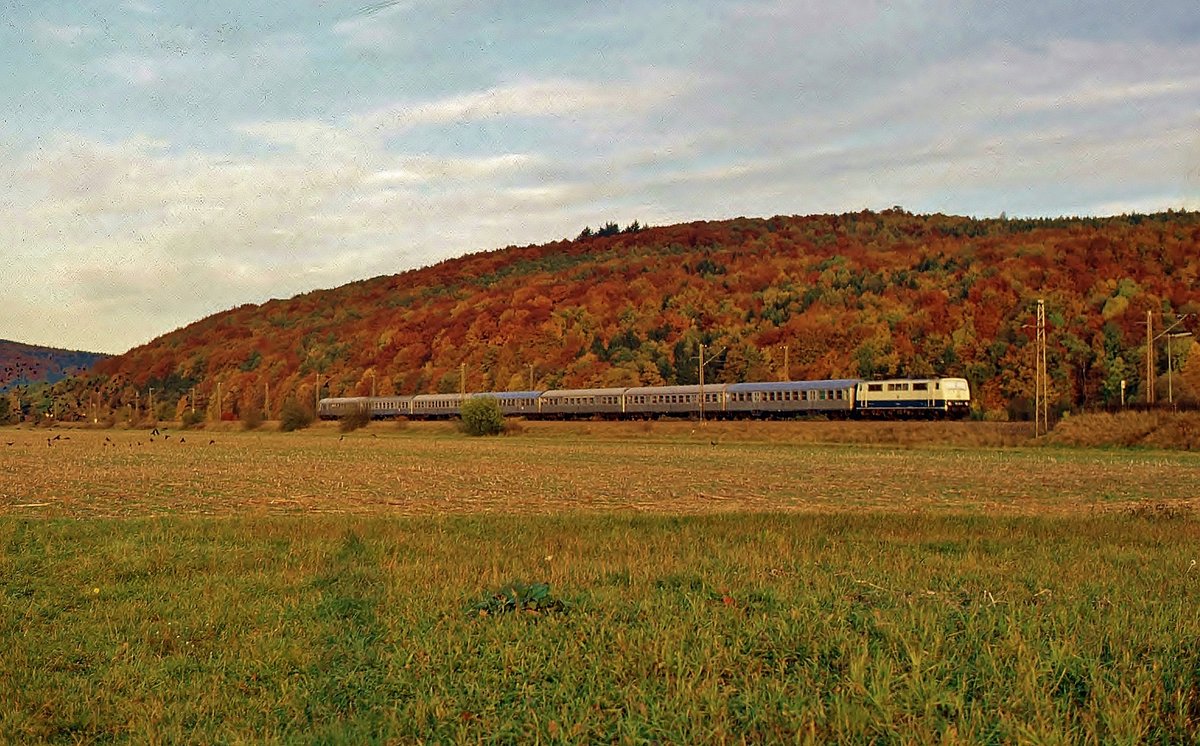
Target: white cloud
[
  {"x": 136, "y": 70},
  {"x": 63, "y": 34},
  {"x": 536, "y": 98},
  {"x": 142, "y": 8}
]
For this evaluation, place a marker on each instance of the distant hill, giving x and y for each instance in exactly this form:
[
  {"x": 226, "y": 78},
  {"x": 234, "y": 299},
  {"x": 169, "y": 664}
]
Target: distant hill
[
  {"x": 22, "y": 364},
  {"x": 869, "y": 294}
]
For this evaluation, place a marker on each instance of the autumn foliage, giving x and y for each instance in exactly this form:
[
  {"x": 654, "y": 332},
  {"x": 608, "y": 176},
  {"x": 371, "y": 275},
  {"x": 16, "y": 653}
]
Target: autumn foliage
[{"x": 858, "y": 295}]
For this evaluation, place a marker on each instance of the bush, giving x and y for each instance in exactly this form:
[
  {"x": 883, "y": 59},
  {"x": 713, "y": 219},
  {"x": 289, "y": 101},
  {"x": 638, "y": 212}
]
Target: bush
[
  {"x": 294, "y": 416},
  {"x": 8, "y": 413},
  {"x": 191, "y": 419},
  {"x": 252, "y": 418},
  {"x": 358, "y": 417},
  {"x": 481, "y": 415}
]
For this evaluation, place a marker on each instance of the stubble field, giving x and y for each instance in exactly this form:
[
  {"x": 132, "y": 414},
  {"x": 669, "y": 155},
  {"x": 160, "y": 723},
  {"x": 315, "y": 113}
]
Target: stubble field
[{"x": 701, "y": 585}]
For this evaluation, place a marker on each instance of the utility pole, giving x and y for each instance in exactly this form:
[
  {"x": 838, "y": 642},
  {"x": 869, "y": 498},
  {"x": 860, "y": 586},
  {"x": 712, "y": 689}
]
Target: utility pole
[
  {"x": 1041, "y": 384},
  {"x": 1170, "y": 365},
  {"x": 1149, "y": 358},
  {"x": 219, "y": 413},
  {"x": 701, "y": 383},
  {"x": 152, "y": 403},
  {"x": 317, "y": 395},
  {"x": 266, "y": 400},
  {"x": 462, "y": 378},
  {"x": 193, "y": 400},
  {"x": 787, "y": 369}
]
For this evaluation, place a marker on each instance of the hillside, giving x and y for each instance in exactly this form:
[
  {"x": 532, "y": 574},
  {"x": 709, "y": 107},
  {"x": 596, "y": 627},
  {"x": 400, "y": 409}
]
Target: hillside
[
  {"x": 863, "y": 294},
  {"x": 22, "y": 364}
]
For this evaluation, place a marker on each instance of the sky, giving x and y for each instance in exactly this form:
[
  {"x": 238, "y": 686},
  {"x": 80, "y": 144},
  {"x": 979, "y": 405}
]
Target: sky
[{"x": 164, "y": 160}]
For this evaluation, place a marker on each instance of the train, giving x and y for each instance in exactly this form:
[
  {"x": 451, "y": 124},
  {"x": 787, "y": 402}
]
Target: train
[{"x": 909, "y": 398}]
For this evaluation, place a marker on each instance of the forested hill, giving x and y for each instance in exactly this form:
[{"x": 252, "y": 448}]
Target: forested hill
[
  {"x": 22, "y": 364},
  {"x": 857, "y": 295}
]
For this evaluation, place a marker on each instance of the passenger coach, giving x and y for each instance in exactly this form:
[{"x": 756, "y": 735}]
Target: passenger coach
[
  {"x": 570, "y": 403},
  {"x": 790, "y": 398},
  {"x": 675, "y": 400}
]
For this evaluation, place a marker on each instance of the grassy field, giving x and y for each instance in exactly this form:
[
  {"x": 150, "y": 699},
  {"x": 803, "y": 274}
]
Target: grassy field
[{"x": 313, "y": 588}]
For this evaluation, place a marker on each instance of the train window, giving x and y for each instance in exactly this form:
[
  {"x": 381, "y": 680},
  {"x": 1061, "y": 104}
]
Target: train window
[
  {"x": 874, "y": 387},
  {"x": 921, "y": 386}
]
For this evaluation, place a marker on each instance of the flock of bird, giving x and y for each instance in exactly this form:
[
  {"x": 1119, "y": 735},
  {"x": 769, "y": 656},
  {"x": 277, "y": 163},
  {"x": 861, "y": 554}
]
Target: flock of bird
[{"x": 154, "y": 436}]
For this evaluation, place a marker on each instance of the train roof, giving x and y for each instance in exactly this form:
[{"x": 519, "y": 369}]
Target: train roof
[
  {"x": 834, "y": 383},
  {"x": 441, "y": 397},
  {"x": 694, "y": 389},
  {"x": 510, "y": 394},
  {"x": 342, "y": 399},
  {"x": 553, "y": 393}
]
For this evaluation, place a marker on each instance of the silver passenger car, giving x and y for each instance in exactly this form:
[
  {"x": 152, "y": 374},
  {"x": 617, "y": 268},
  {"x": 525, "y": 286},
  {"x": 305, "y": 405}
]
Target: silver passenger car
[
  {"x": 790, "y": 398},
  {"x": 567, "y": 403},
  {"x": 516, "y": 403},
  {"x": 390, "y": 407},
  {"x": 425, "y": 406},
  {"x": 675, "y": 400},
  {"x": 340, "y": 406}
]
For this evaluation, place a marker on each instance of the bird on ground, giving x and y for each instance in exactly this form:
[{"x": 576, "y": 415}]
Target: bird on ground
[{"x": 211, "y": 442}]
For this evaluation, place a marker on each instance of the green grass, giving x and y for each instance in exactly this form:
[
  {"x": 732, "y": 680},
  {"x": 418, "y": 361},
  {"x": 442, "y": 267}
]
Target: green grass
[{"x": 863, "y": 627}]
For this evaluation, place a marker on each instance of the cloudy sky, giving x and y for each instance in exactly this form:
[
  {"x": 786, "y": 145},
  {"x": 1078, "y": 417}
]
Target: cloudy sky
[{"x": 163, "y": 160}]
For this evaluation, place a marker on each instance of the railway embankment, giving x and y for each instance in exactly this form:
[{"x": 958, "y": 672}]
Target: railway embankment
[{"x": 1159, "y": 429}]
